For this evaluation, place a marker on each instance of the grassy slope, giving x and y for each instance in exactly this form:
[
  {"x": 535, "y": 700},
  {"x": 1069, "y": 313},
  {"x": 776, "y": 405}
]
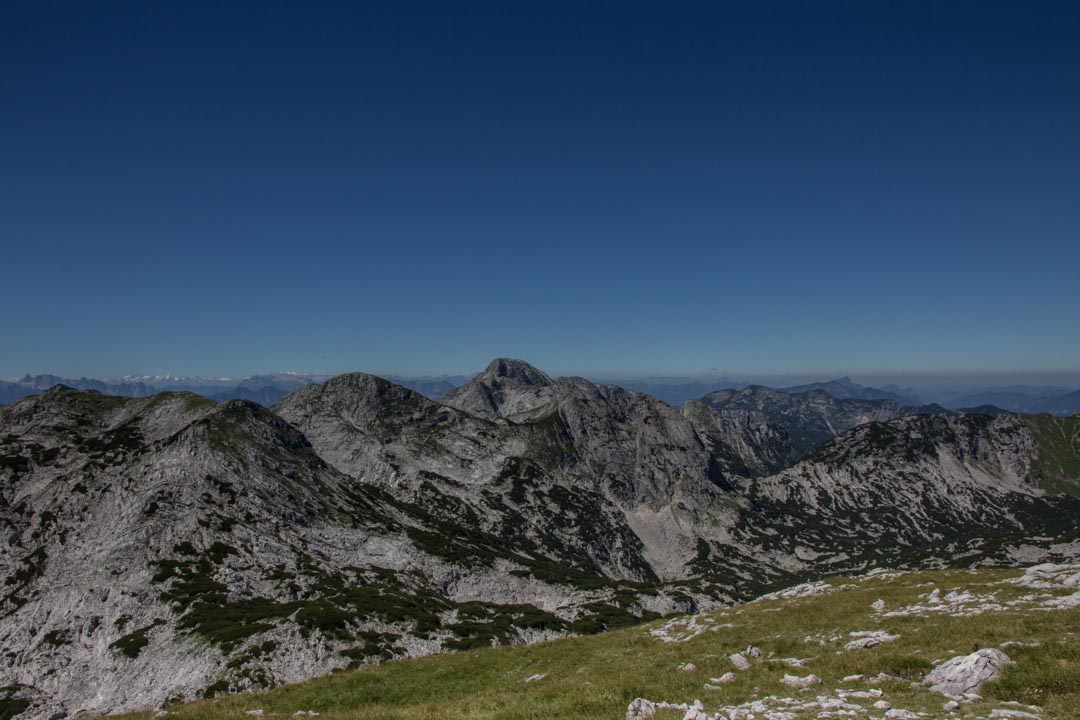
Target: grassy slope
[
  {"x": 1057, "y": 462},
  {"x": 597, "y": 676}
]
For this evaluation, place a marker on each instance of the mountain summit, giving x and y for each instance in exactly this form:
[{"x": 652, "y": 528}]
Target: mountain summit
[
  {"x": 505, "y": 388},
  {"x": 517, "y": 371}
]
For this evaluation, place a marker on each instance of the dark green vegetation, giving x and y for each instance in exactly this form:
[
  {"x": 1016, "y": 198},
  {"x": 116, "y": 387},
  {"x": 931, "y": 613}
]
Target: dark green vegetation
[
  {"x": 131, "y": 645},
  {"x": 19, "y": 583},
  {"x": 203, "y": 603},
  {"x": 10, "y": 706},
  {"x": 336, "y": 605},
  {"x": 485, "y": 624},
  {"x": 452, "y": 531},
  {"x": 56, "y": 638}
]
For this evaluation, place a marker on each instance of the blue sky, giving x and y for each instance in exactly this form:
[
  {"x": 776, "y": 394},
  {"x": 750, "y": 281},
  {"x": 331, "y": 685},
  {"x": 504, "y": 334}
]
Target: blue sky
[{"x": 611, "y": 187}]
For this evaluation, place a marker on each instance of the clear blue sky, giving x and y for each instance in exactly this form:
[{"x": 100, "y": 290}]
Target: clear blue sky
[{"x": 205, "y": 188}]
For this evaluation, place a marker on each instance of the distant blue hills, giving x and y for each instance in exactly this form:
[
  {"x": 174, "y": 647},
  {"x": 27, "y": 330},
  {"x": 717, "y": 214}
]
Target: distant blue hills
[
  {"x": 262, "y": 389},
  {"x": 267, "y": 389}
]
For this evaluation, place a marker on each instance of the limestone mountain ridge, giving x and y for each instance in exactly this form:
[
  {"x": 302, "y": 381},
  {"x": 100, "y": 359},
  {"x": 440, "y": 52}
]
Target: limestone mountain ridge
[{"x": 172, "y": 547}]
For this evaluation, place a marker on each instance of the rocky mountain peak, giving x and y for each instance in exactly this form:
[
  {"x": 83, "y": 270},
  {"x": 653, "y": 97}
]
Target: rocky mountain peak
[
  {"x": 509, "y": 369},
  {"x": 364, "y": 384},
  {"x": 60, "y": 389},
  {"x": 506, "y": 387},
  {"x": 358, "y": 398}
]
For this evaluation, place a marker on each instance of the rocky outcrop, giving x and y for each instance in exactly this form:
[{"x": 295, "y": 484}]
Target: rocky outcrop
[
  {"x": 965, "y": 674},
  {"x": 810, "y": 418}
]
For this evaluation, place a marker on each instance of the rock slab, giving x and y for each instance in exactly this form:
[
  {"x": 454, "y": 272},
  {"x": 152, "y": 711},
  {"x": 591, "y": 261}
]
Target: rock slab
[{"x": 966, "y": 673}]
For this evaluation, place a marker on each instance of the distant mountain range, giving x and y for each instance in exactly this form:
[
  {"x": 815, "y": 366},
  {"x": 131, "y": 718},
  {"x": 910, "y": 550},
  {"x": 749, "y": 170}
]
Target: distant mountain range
[
  {"x": 262, "y": 389},
  {"x": 268, "y": 389},
  {"x": 844, "y": 389},
  {"x": 1023, "y": 399},
  {"x": 125, "y": 388},
  {"x": 673, "y": 390}
]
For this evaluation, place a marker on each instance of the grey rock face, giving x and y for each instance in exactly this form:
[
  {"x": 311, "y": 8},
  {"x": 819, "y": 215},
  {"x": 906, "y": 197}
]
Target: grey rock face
[
  {"x": 809, "y": 418},
  {"x": 505, "y": 388},
  {"x": 966, "y": 673},
  {"x": 135, "y": 523},
  {"x": 743, "y": 444}
]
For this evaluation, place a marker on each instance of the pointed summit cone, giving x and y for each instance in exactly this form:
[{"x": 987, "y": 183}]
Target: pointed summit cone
[
  {"x": 517, "y": 371},
  {"x": 505, "y": 388}
]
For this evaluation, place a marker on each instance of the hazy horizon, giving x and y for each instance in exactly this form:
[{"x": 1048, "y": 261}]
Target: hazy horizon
[{"x": 947, "y": 384}]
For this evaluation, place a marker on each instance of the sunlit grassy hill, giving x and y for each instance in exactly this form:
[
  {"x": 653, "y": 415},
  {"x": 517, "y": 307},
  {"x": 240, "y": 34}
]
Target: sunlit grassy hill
[{"x": 936, "y": 616}]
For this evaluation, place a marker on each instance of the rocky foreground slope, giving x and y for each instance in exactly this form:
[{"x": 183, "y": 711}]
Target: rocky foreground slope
[
  {"x": 974, "y": 644},
  {"x": 169, "y": 547}
]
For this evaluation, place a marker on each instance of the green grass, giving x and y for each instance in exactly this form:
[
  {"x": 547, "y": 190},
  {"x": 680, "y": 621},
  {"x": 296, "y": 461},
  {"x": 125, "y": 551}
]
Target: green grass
[
  {"x": 1057, "y": 460},
  {"x": 596, "y": 677}
]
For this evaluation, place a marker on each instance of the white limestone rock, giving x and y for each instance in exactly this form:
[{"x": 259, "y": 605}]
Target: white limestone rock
[
  {"x": 1063, "y": 603},
  {"x": 640, "y": 709},
  {"x": 794, "y": 681},
  {"x": 901, "y": 714},
  {"x": 964, "y": 674},
  {"x": 869, "y": 638},
  {"x": 1050, "y": 576},
  {"x": 739, "y": 661}
]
